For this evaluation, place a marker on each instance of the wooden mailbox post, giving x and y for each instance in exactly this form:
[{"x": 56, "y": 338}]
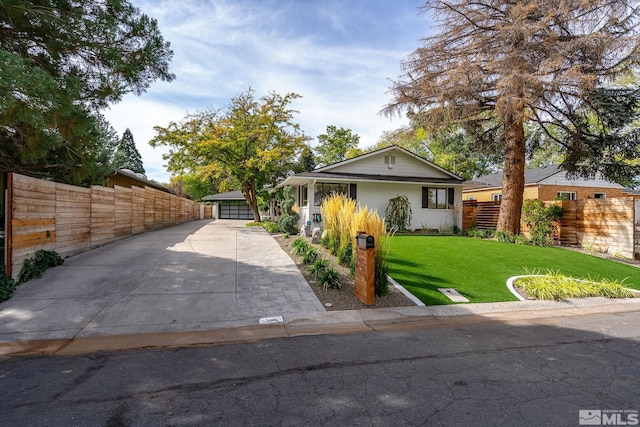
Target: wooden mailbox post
[{"x": 365, "y": 269}]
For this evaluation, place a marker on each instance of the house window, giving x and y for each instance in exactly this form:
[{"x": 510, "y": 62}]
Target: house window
[
  {"x": 437, "y": 198},
  {"x": 324, "y": 189},
  {"x": 304, "y": 195},
  {"x": 496, "y": 197},
  {"x": 566, "y": 195},
  {"x": 389, "y": 160},
  {"x": 600, "y": 195}
]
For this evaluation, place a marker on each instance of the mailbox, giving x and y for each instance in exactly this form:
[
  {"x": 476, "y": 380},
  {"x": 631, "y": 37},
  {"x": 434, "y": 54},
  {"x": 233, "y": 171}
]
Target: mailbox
[
  {"x": 365, "y": 242},
  {"x": 365, "y": 269}
]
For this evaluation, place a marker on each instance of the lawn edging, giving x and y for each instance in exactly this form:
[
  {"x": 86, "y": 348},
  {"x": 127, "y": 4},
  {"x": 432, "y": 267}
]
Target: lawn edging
[
  {"x": 406, "y": 293},
  {"x": 511, "y": 280}
]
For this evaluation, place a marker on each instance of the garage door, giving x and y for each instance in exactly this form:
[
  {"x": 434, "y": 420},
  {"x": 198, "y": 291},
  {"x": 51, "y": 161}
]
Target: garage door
[{"x": 235, "y": 210}]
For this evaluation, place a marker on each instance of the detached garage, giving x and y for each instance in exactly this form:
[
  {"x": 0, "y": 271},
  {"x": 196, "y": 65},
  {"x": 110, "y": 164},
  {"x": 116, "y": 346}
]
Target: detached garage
[{"x": 231, "y": 205}]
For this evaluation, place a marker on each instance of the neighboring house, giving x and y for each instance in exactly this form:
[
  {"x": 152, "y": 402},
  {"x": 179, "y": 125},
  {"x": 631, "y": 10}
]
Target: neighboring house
[
  {"x": 546, "y": 183},
  {"x": 230, "y": 205},
  {"x": 127, "y": 178},
  {"x": 372, "y": 179}
]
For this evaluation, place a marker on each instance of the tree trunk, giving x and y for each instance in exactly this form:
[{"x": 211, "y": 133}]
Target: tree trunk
[
  {"x": 513, "y": 177},
  {"x": 251, "y": 196}
]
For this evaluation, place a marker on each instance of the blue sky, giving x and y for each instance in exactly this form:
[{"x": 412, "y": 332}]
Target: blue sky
[{"x": 338, "y": 55}]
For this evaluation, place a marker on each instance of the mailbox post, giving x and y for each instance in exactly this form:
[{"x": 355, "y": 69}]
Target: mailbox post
[{"x": 365, "y": 269}]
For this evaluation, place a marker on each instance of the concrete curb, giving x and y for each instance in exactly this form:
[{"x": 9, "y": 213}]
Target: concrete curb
[{"x": 334, "y": 323}]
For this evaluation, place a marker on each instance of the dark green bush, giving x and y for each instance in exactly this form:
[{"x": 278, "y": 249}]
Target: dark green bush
[
  {"x": 289, "y": 224},
  {"x": 345, "y": 254},
  {"x": 502, "y": 236},
  {"x": 7, "y": 285},
  {"x": 540, "y": 219},
  {"x": 381, "y": 281},
  {"x": 310, "y": 256},
  {"x": 330, "y": 279},
  {"x": 334, "y": 245},
  {"x": 34, "y": 267},
  {"x": 326, "y": 275},
  {"x": 300, "y": 246}
]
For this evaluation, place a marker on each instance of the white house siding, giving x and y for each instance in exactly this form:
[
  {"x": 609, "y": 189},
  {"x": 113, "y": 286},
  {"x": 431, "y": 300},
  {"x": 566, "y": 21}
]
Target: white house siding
[
  {"x": 376, "y": 196},
  {"x": 405, "y": 166}
]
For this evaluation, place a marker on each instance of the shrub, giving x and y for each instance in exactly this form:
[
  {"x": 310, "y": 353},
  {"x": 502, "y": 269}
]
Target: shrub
[
  {"x": 521, "y": 240},
  {"x": 398, "y": 213},
  {"x": 330, "y": 279},
  {"x": 381, "y": 281},
  {"x": 310, "y": 256},
  {"x": 34, "y": 267},
  {"x": 300, "y": 245},
  {"x": 502, "y": 236},
  {"x": 288, "y": 223},
  {"x": 270, "y": 226},
  {"x": 540, "y": 219},
  {"x": 345, "y": 255},
  {"x": 318, "y": 267},
  {"x": 326, "y": 275},
  {"x": 7, "y": 285}
]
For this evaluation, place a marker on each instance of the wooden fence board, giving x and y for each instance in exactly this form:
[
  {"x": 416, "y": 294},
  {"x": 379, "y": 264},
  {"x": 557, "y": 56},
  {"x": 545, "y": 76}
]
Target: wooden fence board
[{"x": 69, "y": 219}]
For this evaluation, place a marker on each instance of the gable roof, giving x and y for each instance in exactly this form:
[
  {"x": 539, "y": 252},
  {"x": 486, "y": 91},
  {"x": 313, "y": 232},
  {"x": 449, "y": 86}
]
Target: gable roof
[
  {"x": 229, "y": 195},
  {"x": 383, "y": 150},
  {"x": 531, "y": 176},
  {"x": 137, "y": 179}
]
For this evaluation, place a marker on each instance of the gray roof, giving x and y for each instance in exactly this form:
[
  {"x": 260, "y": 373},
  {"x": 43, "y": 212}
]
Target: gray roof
[
  {"x": 531, "y": 176},
  {"x": 230, "y": 195}
]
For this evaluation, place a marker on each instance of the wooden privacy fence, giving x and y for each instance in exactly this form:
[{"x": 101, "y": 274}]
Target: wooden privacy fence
[
  {"x": 69, "y": 220},
  {"x": 605, "y": 225}
]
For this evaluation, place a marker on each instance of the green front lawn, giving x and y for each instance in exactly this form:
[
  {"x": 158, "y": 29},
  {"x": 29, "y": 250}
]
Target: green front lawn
[{"x": 479, "y": 269}]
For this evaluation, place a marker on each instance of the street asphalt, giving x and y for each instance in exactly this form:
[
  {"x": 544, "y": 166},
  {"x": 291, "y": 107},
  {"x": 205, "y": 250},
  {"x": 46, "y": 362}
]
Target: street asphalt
[{"x": 212, "y": 282}]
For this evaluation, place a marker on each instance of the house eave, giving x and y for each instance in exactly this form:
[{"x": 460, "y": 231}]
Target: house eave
[{"x": 309, "y": 177}]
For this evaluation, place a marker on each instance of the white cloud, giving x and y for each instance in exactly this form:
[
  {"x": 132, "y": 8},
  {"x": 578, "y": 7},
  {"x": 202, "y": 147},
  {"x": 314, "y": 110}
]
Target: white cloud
[{"x": 337, "y": 55}]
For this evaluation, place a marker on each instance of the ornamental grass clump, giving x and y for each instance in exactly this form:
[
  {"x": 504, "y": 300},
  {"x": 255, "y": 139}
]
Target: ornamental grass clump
[
  {"x": 343, "y": 220},
  {"x": 372, "y": 224},
  {"x": 337, "y": 211},
  {"x": 556, "y": 286}
]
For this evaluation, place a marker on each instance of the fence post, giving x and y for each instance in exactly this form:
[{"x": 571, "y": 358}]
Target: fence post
[{"x": 8, "y": 230}]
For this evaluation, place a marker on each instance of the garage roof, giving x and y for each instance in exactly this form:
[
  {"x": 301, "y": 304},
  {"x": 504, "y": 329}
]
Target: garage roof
[{"x": 230, "y": 195}]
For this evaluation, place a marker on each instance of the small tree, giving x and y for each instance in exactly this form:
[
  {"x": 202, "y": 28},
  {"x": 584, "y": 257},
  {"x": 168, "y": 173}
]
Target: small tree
[
  {"x": 398, "y": 213},
  {"x": 540, "y": 219},
  {"x": 252, "y": 142}
]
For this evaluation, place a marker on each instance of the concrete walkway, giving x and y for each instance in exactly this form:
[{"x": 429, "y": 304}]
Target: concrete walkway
[{"x": 201, "y": 275}]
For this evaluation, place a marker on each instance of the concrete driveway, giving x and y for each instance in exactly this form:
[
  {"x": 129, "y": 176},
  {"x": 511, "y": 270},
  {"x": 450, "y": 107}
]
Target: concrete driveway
[{"x": 201, "y": 275}]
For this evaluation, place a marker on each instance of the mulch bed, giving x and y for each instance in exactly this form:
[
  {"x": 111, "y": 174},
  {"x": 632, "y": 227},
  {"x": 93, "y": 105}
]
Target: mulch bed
[{"x": 339, "y": 299}]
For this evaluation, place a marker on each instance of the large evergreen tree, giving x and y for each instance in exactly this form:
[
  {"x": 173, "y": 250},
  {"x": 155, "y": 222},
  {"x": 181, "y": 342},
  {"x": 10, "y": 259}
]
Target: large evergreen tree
[
  {"x": 494, "y": 65},
  {"x": 60, "y": 63},
  {"x": 127, "y": 155}
]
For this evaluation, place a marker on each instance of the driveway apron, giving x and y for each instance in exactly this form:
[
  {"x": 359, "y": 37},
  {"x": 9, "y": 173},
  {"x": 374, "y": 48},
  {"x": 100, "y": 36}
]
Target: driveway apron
[{"x": 201, "y": 275}]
